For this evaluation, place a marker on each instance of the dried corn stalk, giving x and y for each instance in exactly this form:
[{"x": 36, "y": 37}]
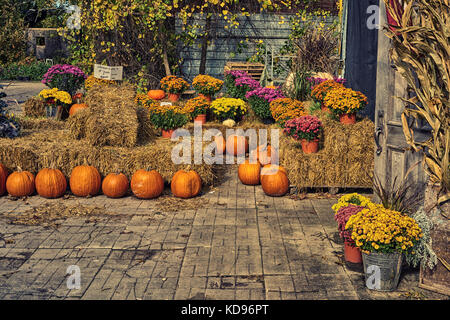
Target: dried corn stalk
[{"x": 421, "y": 53}]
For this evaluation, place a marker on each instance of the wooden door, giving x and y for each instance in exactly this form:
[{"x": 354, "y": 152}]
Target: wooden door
[{"x": 393, "y": 156}]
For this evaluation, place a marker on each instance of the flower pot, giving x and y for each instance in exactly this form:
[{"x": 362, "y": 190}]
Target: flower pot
[
  {"x": 382, "y": 270},
  {"x": 347, "y": 118},
  {"x": 173, "y": 97},
  {"x": 351, "y": 253},
  {"x": 53, "y": 111},
  {"x": 205, "y": 96},
  {"x": 201, "y": 118},
  {"x": 167, "y": 133},
  {"x": 309, "y": 147}
]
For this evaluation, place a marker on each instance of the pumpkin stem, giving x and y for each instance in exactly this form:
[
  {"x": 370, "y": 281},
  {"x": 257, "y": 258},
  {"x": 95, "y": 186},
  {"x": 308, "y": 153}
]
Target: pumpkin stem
[{"x": 19, "y": 169}]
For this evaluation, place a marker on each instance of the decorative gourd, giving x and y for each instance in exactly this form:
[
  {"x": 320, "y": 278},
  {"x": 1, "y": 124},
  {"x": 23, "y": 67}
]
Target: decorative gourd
[
  {"x": 115, "y": 185},
  {"x": 186, "y": 184},
  {"x": 229, "y": 123},
  {"x": 20, "y": 183},
  {"x": 3, "y": 177},
  {"x": 156, "y": 94},
  {"x": 249, "y": 173},
  {"x": 51, "y": 183},
  {"x": 77, "y": 107},
  {"x": 85, "y": 181},
  {"x": 147, "y": 184},
  {"x": 274, "y": 180},
  {"x": 220, "y": 144},
  {"x": 237, "y": 145},
  {"x": 264, "y": 154}
]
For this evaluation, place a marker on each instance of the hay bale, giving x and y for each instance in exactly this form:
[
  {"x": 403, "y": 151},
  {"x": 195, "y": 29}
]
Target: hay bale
[
  {"x": 28, "y": 123},
  {"x": 34, "y": 107}
]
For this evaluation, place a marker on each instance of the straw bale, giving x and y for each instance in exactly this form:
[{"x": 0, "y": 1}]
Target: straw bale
[{"x": 34, "y": 107}]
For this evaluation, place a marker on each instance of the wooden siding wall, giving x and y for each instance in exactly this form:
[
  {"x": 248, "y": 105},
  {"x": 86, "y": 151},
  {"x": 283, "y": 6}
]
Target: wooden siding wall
[{"x": 224, "y": 44}]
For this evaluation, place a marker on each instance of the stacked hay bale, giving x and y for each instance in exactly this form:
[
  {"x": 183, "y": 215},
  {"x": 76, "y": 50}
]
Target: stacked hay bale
[{"x": 34, "y": 107}]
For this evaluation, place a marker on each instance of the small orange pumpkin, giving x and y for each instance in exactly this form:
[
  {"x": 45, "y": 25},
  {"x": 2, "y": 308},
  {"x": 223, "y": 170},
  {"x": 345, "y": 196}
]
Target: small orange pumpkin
[
  {"x": 3, "y": 177},
  {"x": 264, "y": 154},
  {"x": 20, "y": 184},
  {"x": 156, "y": 94},
  {"x": 220, "y": 144},
  {"x": 186, "y": 184},
  {"x": 77, "y": 107},
  {"x": 147, "y": 184},
  {"x": 51, "y": 183},
  {"x": 85, "y": 181},
  {"x": 115, "y": 185},
  {"x": 237, "y": 145},
  {"x": 249, "y": 173},
  {"x": 274, "y": 180}
]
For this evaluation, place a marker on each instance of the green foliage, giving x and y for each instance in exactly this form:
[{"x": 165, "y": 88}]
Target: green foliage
[
  {"x": 260, "y": 107},
  {"x": 12, "y": 33},
  {"x": 33, "y": 71},
  {"x": 169, "y": 120},
  {"x": 300, "y": 89}
]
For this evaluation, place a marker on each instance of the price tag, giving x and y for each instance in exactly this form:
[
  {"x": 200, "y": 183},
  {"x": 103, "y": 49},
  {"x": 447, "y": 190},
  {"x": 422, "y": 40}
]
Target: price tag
[{"x": 108, "y": 73}]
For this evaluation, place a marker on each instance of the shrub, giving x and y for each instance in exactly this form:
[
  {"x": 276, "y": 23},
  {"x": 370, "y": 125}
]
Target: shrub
[
  {"x": 30, "y": 70},
  {"x": 168, "y": 117},
  {"x": 12, "y": 33}
]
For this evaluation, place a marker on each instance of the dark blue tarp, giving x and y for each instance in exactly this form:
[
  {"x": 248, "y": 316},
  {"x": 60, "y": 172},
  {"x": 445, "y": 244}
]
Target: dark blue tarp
[{"x": 361, "y": 52}]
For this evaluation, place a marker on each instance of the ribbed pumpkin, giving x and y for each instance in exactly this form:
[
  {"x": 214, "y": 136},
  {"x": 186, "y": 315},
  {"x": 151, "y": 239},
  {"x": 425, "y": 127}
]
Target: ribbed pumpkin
[
  {"x": 156, "y": 94},
  {"x": 77, "y": 107},
  {"x": 237, "y": 145},
  {"x": 274, "y": 180},
  {"x": 85, "y": 181},
  {"x": 115, "y": 185},
  {"x": 3, "y": 177},
  {"x": 20, "y": 183},
  {"x": 147, "y": 184},
  {"x": 264, "y": 154},
  {"x": 220, "y": 144},
  {"x": 186, "y": 184},
  {"x": 51, "y": 183},
  {"x": 249, "y": 173}
]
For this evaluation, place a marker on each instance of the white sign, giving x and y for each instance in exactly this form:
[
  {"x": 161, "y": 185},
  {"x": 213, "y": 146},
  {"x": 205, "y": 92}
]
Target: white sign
[{"x": 108, "y": 73}]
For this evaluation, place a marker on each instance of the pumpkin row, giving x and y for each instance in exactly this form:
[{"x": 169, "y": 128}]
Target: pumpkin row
[{"x": 86, "y": 181}]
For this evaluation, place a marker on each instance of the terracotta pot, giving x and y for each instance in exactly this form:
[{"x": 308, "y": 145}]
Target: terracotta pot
[
  {"x": 201, "y": 118},
  {"x": 310, "y": 146},
  {"x": 347, "y": 118},
  {"x": 173, "y": 97},
  {"x": 352, "y": 254},
  {"x": 167, "y": 133},
  {"x": 207, "y": 97}
]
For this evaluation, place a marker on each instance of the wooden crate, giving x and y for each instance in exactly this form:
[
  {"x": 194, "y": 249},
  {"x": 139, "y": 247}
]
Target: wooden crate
[{"x": 255, "y": 70}]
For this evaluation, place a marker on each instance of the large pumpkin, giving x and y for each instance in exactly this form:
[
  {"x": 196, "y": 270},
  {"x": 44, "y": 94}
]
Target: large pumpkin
[
  {"x": 115, "y": 185},
  {"x": 156, "y": 94},
  {"x": 237, "y": 145},
  {"x": 77, "y": 107},
  {"x": 3, "y": 177},
  {"x": 20, "y": 184},
  {"x": 147, "y": 184},
  {"x": 186, "y": 184},
  {"x": 249, "y": 173},
  {"x": 85, "y": 181},
  {"x": 51, "y": 183},
  {"x": 274, "y": 180},
  {"x": 220, "y": 144},
  {"x": 265, "y": 154}
]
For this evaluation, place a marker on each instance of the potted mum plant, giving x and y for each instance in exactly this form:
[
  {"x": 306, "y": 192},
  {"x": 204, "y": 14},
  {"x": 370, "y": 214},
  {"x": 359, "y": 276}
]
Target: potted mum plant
[
  {"x": 174, "y": 86},
  {"x": 66, "y": 77},
  {"x": 56, "y": 102},
  {"x": 307, "y": 130},
  {"x": 207, "y": 86},
  {"x": 198, "y": 107},
  {"x": 284, "y": 109},
  {"x": 384, "y": 236},
  {"x": 345, "y": 103},
  {"x": 260, "y": 100},
  {"x": 229, "y": 108},
  {"x": 168, "y": 118},
  {"x": 238, "y": 83},
  {"x": 319, "y": 91}
]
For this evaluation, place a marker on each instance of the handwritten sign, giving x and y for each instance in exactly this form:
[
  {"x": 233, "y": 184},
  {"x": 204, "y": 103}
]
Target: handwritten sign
[{"x": 108, "y": 73}]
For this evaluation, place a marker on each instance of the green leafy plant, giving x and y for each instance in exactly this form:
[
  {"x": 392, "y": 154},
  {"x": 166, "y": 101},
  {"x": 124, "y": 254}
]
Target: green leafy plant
[
  {"x": 299, "y": 88},
  {"x": 169, "y": 120}
]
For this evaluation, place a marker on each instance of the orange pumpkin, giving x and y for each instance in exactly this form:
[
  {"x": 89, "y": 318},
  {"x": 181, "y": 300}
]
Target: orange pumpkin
[
  {"x": 186, "y": 184},
  {"x": 274, "y": 180},
  {"x": 51, "y": 183},
  {"x": 3, "y": 177},
  {"x": 20, "y": 184},
  {"x": 147, "y": 184},
  {"x": 249, "y": 173},
  {"x": 156, "y": 94},
  {"x": 115, "y": 185},
  {"x": 77, "y": 107},
  {"x": 85, "y": 181},
  {"x": 220, "y": 144},
  {"x": 237, "y": 145},
  {"x": 264, "y": 154}
]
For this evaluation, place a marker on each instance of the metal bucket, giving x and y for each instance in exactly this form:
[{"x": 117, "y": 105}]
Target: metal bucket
[
  {"x": 382, "y": 270},
  {"x": 53, "y": 111}
]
